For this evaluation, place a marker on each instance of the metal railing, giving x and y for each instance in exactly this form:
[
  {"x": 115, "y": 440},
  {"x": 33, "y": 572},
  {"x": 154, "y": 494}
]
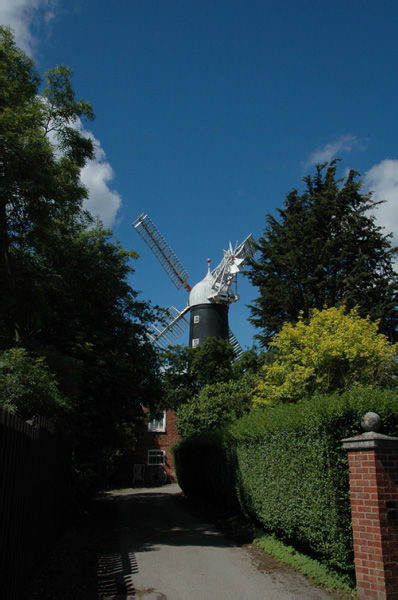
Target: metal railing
[{"x": 34, "y": 492}]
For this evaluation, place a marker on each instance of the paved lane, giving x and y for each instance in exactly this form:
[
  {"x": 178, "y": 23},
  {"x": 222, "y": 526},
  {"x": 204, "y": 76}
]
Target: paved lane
[{"x": 165, "y": 552}]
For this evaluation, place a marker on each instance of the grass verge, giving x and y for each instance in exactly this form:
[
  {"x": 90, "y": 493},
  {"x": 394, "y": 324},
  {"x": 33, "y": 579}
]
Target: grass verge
[{"x": 311, "y": 568}]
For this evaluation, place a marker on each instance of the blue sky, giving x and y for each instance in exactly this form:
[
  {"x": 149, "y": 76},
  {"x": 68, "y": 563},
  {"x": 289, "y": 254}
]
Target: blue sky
[{"x": 208, "y": 112}]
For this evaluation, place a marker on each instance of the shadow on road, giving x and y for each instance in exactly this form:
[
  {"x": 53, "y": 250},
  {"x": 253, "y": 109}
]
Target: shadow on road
[
  {"x": 144, "y": 521},
  {"x": 98, "y": 560},
  {"x": 147, "y": 519}
]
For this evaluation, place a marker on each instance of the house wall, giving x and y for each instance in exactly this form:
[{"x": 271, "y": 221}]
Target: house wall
[{"x": 151, "y": 440}]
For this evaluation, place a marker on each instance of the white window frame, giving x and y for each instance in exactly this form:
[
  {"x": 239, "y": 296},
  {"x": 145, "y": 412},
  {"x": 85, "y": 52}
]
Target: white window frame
[
  {"x": 156, "y": 457},
  {"x": 196, "y": 319},
  {"x": 195, "y": 342},
  {"x": 158, "y": 425}
]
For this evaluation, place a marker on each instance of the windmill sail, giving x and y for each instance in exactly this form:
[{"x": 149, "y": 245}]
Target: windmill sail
[
  {"x": 231, "y": 264},
  {"x": 166, "y": 335},
  {"x": 237, "y": 348},
  {"x": 165, "y": 255}
]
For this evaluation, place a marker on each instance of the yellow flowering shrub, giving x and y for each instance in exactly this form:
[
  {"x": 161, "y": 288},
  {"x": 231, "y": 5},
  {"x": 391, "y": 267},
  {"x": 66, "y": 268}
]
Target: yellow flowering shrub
[{"x": 333, "y": 350}]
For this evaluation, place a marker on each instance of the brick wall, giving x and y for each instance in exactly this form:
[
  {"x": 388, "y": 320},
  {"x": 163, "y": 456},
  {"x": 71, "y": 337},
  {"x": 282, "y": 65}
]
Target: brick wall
[{"x": 150, "y": 440}]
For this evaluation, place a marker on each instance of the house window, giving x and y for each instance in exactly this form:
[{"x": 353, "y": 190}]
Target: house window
[
  {"x": 156, "y": 457},
  {"x": 195, "y": 342},
  {"x": 158, "y": 425},
  {"x": 196, "y": 319}
]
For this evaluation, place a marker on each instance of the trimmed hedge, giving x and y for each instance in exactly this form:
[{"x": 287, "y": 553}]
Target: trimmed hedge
[
  {"x": 286, "y": 468},
  {"x": 205, "y": 465}
]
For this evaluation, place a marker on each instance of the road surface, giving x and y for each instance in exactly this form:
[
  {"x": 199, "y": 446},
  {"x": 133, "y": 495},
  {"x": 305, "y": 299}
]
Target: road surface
[{"x": 162, "y": 551}]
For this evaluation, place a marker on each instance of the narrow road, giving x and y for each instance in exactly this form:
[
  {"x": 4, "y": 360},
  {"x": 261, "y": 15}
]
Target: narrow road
[{"x": 160, "y": 550}]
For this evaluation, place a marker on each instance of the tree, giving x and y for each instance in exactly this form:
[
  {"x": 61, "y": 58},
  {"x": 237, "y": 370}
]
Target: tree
[
  {"x": 28, "y": 388},
  {"x": 186, "y": 370},
  {"x": 324, "y": 250},
  {"x": 216, "y": 405},
  {"x": 333, "y": 351},
  {"x": 250, "y": 361},
  {"x": 178, "y": 380},
  {"x": 67, "y": 294},
  {"x": 207, "y": 386},
  {"x": 212, "y": 363},
  {"x": 97, "y": 320},
  {"x": 41, "y": 188}
]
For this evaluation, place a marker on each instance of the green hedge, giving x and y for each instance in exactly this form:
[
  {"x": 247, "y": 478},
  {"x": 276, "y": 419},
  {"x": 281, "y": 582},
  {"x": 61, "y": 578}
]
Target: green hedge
[
  {"x": 286, "y": 467},
  {"x": 205, "y": 464}
]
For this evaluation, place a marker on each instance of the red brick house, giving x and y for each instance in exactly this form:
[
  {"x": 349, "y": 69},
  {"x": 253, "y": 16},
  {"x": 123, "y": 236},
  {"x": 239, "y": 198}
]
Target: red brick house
[{"x": 151, "y": 461}]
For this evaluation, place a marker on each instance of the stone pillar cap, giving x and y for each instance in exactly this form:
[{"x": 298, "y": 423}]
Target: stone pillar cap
[
  {"x": 371, "y": 423},
  {"x": 369, "y": 439}
]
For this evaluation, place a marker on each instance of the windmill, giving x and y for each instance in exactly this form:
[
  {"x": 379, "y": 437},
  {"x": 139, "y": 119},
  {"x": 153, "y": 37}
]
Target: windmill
[{"x": 209, "y": 299}]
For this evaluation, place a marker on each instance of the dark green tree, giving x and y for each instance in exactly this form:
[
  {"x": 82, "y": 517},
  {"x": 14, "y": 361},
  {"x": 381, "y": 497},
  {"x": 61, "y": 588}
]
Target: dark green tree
[
  {"x": 324, "y": 250},
  {"x": 216, "y": 405},
  {"x": 41, "y": 188},
  {"x": 207, "y": 385},
  {"x": 179, "y": 381},
  {"x": 66, "y": 292},
  {"x": 212, "y": 363},
  {"x": 98, "y": 327},
  {"x": 28, "y": 388},
  {"x": 249, "y": 362},
  {"x": 186, "y": 370}
]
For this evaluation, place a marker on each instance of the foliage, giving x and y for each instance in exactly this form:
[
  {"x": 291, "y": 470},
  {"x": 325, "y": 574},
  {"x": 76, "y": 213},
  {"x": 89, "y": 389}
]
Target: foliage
[
  {"x": 331, "y": 351},
  {"x": 324, "y": 250},
  {"x": 28, "y": 388},
  {"x": 250, "y": 361},
  {"x": 207, "y": 386},
  {"x": 205, "y": 464},
  {"x": 286, "y": 468},
  {"x": 216, "y": 405},
  {"x": 212, "y": 362},
  {"x": 186, "y": 370},
  {"x": 179, "y": 381},
  {"x": 67, "y": 294},
  {"x": 41, "y": 190}
]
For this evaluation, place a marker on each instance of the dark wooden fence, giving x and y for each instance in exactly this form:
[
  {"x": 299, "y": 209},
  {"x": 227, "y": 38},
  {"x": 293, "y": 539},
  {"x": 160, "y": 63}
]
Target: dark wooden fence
[{"x": 34, "y": 480}]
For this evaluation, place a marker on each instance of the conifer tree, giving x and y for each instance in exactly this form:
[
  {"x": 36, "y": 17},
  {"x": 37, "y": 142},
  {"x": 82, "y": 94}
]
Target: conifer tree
[{"x": 324, "y": 250}]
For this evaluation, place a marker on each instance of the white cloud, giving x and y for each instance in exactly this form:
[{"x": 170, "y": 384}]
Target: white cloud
[
  {"x": 345, "y": 143},
  {"x": 102, "y": 201},
  {"x": 20, "y": 15},
  {"x": 96, "y": 176},
  {"x": 382, "y": 179}
]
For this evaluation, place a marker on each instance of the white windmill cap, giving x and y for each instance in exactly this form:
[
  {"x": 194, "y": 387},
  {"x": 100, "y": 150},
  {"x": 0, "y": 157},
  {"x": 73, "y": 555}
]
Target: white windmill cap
[{"x": 201, "y": 292}]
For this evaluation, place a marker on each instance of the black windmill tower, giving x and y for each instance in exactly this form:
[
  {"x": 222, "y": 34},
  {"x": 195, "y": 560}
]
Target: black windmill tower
[{"x": 208, "y": 301}]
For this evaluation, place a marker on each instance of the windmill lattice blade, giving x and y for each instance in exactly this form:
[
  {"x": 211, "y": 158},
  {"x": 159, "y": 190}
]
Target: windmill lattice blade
[
  {"x": 156, "y": 242},
  {"x": 175, "y": 327},
  {"x": 237, "y": 348}
]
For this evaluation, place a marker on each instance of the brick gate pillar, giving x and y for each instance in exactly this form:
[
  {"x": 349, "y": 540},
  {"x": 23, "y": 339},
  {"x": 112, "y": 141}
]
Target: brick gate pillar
[{"x": 373, "y": 466}]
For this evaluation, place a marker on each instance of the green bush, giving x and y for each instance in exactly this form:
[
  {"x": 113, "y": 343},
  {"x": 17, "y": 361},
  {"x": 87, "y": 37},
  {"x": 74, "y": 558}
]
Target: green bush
[
  {"x": 286, "y": 467},
  {"x": 205, "y": 466},
  {"x": 331, "y": 351},
  {"x": 216, "y": 403}
]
